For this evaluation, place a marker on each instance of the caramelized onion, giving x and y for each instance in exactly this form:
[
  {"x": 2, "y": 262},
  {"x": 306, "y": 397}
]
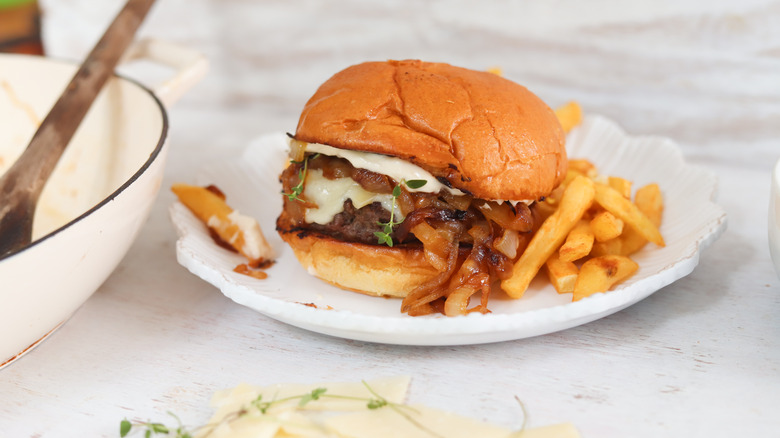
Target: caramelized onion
[
  {"x": 458, "y": 300},
  {"x": 517, "y": 218},
  {"x": 428, "y": 214},
  {"x": 507, "y": 243},
  {"x": 332, "y": 167},
  {"x": 405, "y": 203},
  {"x": 297, "y": 150},
  {"x": 372, "y": 181},
  {"x": 500, "y": 266},
  {"x": 295, "y": 209},
  {"x": 472, "y": 277},
  {"x": 456, "y": 202},
  {"x": 436, "y": 244},
  {"x": 432, "y": 290}
]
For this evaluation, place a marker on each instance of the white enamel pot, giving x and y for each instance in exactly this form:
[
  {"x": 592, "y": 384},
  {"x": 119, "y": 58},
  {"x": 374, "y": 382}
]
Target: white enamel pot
[{"x": 100, "y": 193}]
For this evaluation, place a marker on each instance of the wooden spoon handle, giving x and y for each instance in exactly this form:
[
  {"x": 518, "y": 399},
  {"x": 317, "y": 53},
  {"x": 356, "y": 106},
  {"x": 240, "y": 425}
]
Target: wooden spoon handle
[{"x": 57, "y": 129}]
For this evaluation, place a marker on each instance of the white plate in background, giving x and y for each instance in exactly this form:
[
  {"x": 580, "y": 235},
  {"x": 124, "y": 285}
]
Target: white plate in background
[{"x": 691, "y": 222}]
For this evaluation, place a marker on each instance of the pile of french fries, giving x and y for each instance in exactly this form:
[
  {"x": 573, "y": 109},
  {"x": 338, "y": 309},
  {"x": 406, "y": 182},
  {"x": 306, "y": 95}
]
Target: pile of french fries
[{"x": 591, "y": 228}]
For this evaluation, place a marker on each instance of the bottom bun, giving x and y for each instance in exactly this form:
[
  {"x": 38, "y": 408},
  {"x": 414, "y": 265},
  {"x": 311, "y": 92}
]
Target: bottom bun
[{"x": 369, "y": 269}]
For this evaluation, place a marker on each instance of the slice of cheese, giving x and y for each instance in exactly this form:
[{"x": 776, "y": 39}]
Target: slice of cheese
[
  {"x": 342, "y": 412},
  {"x": 330, "y": 194},
  {"x": 393, "y": 167},
  {"x": 424, "y": 422},
  {"x": 392, "y": 389},
  {"x": 411, "y": 422}
]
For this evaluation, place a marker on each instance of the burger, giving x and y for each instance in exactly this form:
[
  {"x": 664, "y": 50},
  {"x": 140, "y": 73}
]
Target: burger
[{"x": 418, "y": 180}]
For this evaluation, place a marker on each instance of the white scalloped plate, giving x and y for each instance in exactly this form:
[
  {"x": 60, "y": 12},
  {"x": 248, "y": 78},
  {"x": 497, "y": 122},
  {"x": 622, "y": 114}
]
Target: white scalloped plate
[{"x": 692, "y": 221}]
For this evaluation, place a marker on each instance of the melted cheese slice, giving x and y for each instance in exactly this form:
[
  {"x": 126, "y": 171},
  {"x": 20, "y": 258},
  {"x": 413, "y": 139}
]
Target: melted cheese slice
[
  {"x": 330, "y": 194},
  {"x": 347, "y": 416},
  {"x": 393, "y": 167}
]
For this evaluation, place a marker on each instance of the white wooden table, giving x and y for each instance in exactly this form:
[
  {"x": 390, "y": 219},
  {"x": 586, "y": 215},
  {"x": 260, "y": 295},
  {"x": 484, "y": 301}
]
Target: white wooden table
[{"x": 698, "y": 358}]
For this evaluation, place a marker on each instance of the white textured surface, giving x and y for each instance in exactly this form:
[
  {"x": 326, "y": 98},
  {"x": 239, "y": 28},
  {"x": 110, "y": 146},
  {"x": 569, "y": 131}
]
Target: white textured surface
[
  {"x": 691, "y": 222},
  {"x": 699, "y": 358}
]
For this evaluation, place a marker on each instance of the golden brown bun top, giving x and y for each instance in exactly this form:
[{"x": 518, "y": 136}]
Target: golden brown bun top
[{"x": 483, "y": 133}]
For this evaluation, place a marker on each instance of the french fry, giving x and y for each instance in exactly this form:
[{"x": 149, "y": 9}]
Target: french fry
[
  {"x": 498, "y": 71},
  {"x": 570, "y": 175},
  {"x": 578, "y": 243},
  {"x": 569, "y": 115},
  {"x": 240, "y": 232},
  {"x": 542, "y": 210},
  {"x": 562, "y": 275},
  {"x": 577, "y": 198},
  {"x": 631, "y": 242},
  {"x": 622, "y": 185},
  {"x": 612, "y": 201},
  {"x": 599, "y": 274},
  {"x": 605, "y": 226},
  {"x": 582, "y": 167},
  {"x": 649, "y": 201},
  {"x": 608, "y": 247}
]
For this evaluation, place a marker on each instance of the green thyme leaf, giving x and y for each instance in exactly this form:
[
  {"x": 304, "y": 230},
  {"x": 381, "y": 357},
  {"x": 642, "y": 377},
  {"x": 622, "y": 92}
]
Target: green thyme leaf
[
  {"x": 296, "y": 191},
  {"x": 158, "y": 428},
  {"x": 387, "y": 228},
  {"x": 314, "y": 395},
  {"x": 415, "y": 183},
  {"x": 376, "y": 403},
  {"x": 384, "y": 238},
  {"x": 124, "y": 427},
  {"x": 260, "y": 405}
]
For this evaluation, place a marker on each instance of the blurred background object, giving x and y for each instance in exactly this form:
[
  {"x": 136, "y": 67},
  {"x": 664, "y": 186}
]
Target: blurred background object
[{"x": 20, "y": 30}]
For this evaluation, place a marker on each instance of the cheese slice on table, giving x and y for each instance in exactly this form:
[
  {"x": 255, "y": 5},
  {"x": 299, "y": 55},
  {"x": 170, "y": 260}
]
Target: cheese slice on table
[
  {"x": 424, "y": 422},
  {"x": 287, "y": 418},
  {"x": 411, "y": 422},
  {"x": 342, "y": 411}
]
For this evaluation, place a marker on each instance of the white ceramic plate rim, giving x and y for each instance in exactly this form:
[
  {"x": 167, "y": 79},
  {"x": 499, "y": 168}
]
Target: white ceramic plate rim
[{"x": 642, "y": 159}]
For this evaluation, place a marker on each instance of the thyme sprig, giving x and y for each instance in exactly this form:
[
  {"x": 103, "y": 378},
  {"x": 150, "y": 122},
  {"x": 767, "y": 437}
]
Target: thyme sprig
[
  {"x": 149, "y": 428},
  {"x": 383, "y": 237},
  {"x": 295, "y": 192},
  {"x": 262, "y": 407}
]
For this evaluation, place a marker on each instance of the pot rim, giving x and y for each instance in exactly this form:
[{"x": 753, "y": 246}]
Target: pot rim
[{"x": 152, "y": 157}]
